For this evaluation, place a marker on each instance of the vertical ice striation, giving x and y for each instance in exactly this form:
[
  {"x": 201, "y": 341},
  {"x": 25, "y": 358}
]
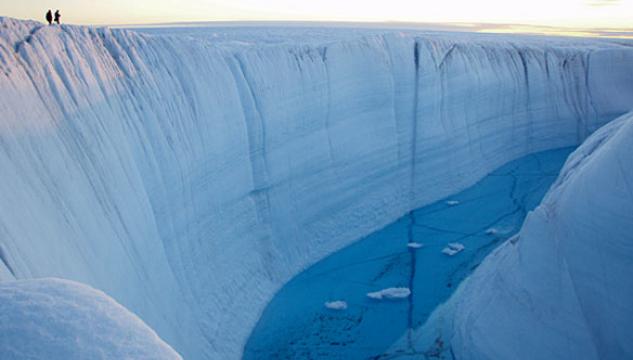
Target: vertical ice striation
[{"x": 190, "y": 180}]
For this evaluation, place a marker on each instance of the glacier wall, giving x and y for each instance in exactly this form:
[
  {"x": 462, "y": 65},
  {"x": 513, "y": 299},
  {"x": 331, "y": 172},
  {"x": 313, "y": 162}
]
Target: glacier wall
[
  {"x": 189, "y": 179},
  {"x": 562, "y": 288}
]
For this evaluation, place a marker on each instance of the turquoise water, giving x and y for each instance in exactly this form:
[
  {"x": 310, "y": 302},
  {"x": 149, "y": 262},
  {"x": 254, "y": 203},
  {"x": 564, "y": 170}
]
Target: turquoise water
[{"x": 297, "y": 325}]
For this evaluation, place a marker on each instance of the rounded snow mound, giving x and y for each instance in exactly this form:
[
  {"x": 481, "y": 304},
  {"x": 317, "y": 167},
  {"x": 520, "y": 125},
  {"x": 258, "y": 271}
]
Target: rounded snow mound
[
  {"x": 61, "y": 319},
  {"x": 562, "y": 288}
]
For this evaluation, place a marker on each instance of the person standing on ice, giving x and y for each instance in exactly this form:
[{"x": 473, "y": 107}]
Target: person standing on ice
[
  {"x": 57, "y": 16},
  {"x": 49, "y": 17}
]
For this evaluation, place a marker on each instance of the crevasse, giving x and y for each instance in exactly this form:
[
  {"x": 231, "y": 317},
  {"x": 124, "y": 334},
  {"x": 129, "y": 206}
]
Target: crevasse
[{"x": 189, "y": 179}]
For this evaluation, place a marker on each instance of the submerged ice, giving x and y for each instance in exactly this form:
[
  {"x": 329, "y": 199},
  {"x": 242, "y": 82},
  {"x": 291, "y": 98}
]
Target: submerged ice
[{"x": 190, "y": 179}]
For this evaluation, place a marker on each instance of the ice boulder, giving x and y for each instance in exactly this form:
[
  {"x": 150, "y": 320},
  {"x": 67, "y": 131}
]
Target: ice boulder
[{"x": 61, "y": 319}]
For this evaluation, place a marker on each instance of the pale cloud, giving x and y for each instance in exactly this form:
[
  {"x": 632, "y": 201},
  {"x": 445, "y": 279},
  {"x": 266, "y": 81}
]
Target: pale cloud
[
  {"x": 601, "y": 3},
  {"x": 624, "y": 33}
]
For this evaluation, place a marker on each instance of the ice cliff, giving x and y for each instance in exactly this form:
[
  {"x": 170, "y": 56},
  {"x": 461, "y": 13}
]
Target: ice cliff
[{"x": 189, "y": 179}]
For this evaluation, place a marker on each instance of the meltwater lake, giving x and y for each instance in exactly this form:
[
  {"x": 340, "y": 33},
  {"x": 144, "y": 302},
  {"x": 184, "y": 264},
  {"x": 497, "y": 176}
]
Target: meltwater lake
[{"x": 407, "y": 254}]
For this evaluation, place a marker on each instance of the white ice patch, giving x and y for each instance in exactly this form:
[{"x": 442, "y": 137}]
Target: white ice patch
[
  {"x": 415, "y": 245},
  {"x": 498, "y": 231},
  {"x": 453, "y": 248},
  {"x": 336, "y": 305},
  {"x": 62, "y": 319},
  {"x": 390, "y": 293},
  {"x": 452, "y": 202}
]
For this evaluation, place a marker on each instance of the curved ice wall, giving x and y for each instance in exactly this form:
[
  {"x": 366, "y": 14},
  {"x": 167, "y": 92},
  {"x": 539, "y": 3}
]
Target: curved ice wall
[{"x": 189, "y": 180}]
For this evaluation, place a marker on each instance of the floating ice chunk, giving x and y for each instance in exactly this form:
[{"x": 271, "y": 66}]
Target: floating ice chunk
[
  {"x": 336, "y": 305},
  {"x": 390, "y": 293},
  {"x": 414, "y": 245},
  {"x": 453, "y": 248},
  {"x": 452, "y": 202},
  {"x": 502, "y": 231}
]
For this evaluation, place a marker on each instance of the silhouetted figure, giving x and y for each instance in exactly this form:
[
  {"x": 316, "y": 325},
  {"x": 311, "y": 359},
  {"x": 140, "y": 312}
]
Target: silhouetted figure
[
  {"x": 57, "y": 16},
  {"x": 49, "y": 17}
]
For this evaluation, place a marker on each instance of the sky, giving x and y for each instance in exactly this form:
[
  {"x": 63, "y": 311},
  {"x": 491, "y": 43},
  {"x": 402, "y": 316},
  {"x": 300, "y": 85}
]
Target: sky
[{"x": 574, "y": 16}]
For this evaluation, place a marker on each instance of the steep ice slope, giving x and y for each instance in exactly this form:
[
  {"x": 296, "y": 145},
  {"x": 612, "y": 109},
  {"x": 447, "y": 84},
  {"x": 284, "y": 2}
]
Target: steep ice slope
[
  {"x": 61, "y": 319},
  {"x": 562, "y": 289},
  {"x": 189, "y": 179}
]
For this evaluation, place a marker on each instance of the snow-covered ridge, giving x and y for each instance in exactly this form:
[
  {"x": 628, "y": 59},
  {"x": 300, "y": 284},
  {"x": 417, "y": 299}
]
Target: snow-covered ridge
[
  {"x": 562, "y": 289},
  {"x": 62, "y": 319},
  {"x": 189, "y": 181}
]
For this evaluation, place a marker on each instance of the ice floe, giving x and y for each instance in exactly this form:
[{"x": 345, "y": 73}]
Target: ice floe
[
  {"x": 453, "y": 248},
  {"x": 336, "y": 305},
  {"x": 390, "y": 293}
]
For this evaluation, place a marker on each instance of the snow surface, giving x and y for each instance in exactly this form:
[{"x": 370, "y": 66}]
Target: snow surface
[
  {"x": 562, "y": 288},
  {"x": 61, "y": 319},
  {"x": 189, "y": 179},
  {"x": 393, "y": 293},
  {"x": 336, "y": 305}
]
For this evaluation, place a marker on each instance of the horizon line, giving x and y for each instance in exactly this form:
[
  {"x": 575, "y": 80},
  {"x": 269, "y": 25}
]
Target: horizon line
[{"x": 472, "y": 27}]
